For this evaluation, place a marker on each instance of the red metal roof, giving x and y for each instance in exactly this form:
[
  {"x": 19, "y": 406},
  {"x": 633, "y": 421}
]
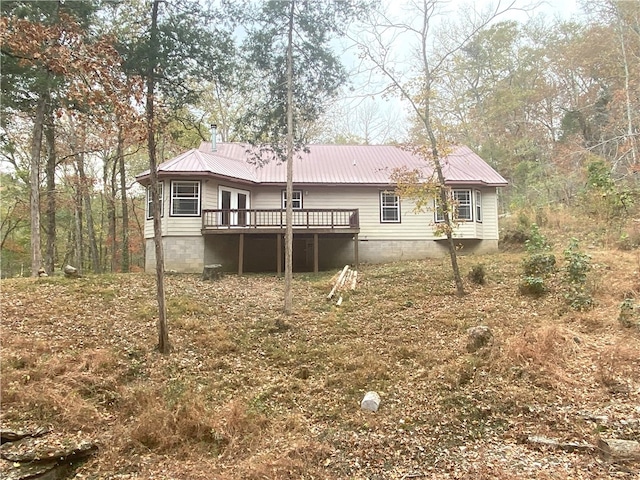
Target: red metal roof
[{"x": 326, "y": 164}]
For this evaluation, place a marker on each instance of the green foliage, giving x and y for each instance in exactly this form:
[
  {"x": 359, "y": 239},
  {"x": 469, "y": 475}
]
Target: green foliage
[
  {"x": 538, "y": 265},
  {"x": 537, "y": 243},
  {"x": 478, "y": 274},
  {"x": 603, "y": 195},
  {"x": 576, "y": 268},
  {"x": 629, "y": 313},
  {"x": 317, "y": 70},
  {"x": 189, "y": 52},
  {"x": 578, "y": 263},
  {"x": 532, "y": 285}
]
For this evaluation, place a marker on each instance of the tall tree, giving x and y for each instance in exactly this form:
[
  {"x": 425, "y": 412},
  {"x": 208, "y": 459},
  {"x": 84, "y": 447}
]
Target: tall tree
[
  {"x": 163, "y": 332},
  {"x": 50, "y": 57},
  {"x": 176, "y": 49},
  {"x": 50, "y": 171},
  {"x": 418, "y": 79},
  {"x": 296, "y": 73}
]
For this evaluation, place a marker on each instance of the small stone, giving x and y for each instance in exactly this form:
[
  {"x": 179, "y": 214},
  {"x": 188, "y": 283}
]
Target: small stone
[
  {"x": 70, "y": 272},
  {"x": 479, "y": 337},
  {"x": 370, "y": 402}
]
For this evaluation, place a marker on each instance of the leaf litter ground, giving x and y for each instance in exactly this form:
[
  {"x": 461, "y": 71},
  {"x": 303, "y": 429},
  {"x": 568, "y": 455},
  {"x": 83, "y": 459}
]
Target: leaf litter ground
[{"x": 243, "y": 396}]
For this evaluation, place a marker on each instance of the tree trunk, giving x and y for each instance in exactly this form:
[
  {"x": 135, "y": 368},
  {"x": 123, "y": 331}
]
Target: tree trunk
[
  {"x": 34, "y": 184},
  {"x": 163, "y": 333},
  {"x": 288, "y": 250},
  {"x": 444, "y": 196},
  {"x": 629, "y": 108},
  {"x": 125, "y": 210},
  {"x": 86, "y": 196},
  {"x": 109, "y": 186},
  {"x": 619, "y": 451},
  {"x": 79, "y": 233},
  {"x": 50, "y": 172}
]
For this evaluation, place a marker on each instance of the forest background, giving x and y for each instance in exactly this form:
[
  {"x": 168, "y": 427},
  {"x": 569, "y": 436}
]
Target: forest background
[{"x": 553, "y": 104}]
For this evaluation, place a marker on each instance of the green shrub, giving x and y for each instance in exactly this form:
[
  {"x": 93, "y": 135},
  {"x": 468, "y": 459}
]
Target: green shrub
[
  {"x": 629, "y": 313},
  {"x": 538, "y": 265},
  {"x": 537, "y": 243},
  {"x": 477, "y": 274},
  {"x": 532, "y": 285},
  {"x": 576, "y": 268}
]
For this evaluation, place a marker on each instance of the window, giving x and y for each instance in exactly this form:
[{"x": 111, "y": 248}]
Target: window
[
  {"x": 478, "y": 205},
  {"x": 389, "y": 207},
  {"x": 185, "y": 198},
  {"x": 150, "y": 200},
  {"x": 296, "y": 199},
  {"x": 461, "y": 202}
]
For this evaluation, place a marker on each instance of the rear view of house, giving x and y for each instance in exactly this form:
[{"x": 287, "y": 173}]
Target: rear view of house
[{"x": 221, "y": 204}]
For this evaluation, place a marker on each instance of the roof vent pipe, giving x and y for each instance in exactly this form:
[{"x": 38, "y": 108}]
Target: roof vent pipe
[{"x": 214, "y": 135}]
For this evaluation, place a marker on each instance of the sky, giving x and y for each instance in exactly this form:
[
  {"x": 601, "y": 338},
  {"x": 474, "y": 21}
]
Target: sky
[{"x": 391, "y": 110}]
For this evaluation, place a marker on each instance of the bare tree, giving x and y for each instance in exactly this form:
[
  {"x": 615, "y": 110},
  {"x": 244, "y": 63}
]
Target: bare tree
[
  {"x": 360, "y": 121},
  {"x": 34, "y": 181},
  {"x": 163, "y": 333},
  {"x": 417, "y": 78}
]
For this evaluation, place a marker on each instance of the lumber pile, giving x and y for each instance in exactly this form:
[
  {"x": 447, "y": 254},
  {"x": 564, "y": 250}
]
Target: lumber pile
[
  {"x": 619, "y": 451},
  {"x": 343, "y": 281}
]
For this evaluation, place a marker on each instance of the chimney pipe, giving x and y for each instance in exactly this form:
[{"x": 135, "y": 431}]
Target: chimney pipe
[{"x": 214, "y": 135}]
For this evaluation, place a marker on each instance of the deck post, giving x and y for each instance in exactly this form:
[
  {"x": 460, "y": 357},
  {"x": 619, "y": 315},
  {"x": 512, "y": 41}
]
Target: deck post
[
  {"x": 279, "y": 254},
  {"x": 240, "y": 253},
  {"x": 316, "y": 253},
  {"x": 356, "y": 260}
]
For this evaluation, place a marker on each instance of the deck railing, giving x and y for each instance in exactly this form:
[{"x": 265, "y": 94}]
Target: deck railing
[{"x": 276, "y": 218}]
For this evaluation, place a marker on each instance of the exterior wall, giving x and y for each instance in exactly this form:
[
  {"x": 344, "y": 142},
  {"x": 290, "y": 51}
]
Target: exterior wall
[
  {"x": 412, "y": 226},
  {"x": 382, "y": 251},
  {"x": 181, "y": 254},
  {"x": 172, "y": 225},
  {"x": 187, "y": 250}
]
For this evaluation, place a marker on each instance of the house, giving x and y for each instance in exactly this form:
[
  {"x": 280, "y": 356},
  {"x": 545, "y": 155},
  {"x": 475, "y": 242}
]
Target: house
[{"x": 221, "y": 206}]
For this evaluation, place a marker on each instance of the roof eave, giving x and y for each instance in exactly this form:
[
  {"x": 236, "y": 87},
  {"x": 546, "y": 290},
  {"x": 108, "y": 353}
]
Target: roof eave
[{"x": 144, "y": 178}]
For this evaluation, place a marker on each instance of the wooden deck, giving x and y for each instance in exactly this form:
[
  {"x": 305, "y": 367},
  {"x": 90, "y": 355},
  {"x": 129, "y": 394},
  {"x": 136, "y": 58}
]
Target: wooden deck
[
  {"x": 315, "y": 221},
  {"x": 312, "y": 220}
]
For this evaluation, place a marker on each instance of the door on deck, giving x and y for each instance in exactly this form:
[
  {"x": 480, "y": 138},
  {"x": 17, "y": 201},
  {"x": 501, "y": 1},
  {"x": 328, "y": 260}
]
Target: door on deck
[{"x": 231, "y": 199}]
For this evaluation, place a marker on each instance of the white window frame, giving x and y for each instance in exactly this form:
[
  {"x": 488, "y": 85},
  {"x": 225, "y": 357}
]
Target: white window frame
[
  {"x": 174, "y": 197},
  {"x": 387, "y": 207},
  {"x": 478, "y": 205},
  {"x": 296, "y": 203},
  {"x": 454, "y": 198},
  {"x": 150, "y": 201}
]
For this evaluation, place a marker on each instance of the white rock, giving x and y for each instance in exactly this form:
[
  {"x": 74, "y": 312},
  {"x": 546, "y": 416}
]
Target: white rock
[{"x": 370, "y": 402}]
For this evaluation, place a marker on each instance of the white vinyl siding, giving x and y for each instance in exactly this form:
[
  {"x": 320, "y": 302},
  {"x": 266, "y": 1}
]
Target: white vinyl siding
[
  {"x": 366, "y": 200},
  {"x": 414, "y": 226},
  {"x": 185, "y": 198}
]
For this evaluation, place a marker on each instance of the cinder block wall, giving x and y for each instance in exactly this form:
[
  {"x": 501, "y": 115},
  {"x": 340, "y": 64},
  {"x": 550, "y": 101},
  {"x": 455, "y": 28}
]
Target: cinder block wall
[
  {"x": 189, "y": 255},
  {"x": 382, "y": 251},
  {"x": 181, "y": 254}
]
